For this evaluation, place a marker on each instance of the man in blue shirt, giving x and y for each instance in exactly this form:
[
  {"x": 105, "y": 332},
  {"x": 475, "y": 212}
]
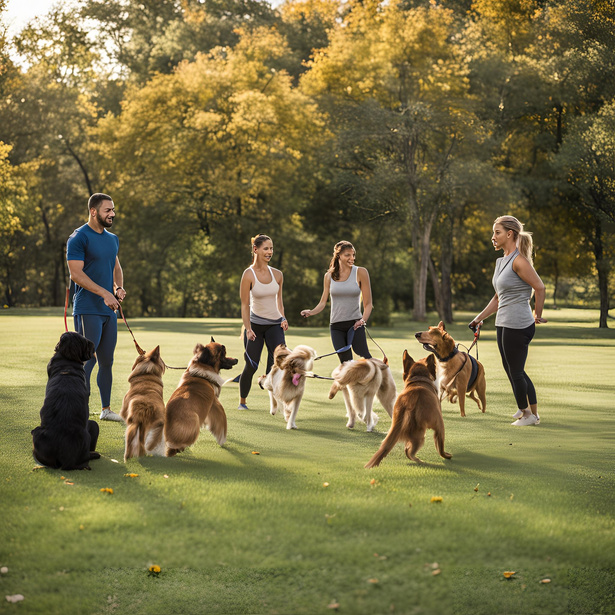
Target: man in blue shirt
[{"x": 91, "y": 252}]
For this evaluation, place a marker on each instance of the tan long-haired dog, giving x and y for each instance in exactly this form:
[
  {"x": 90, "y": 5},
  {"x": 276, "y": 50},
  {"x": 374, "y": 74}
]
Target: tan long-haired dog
[
  {"x": 417, "y": 409},
  {"x": 286, "y": 380},
  {"x": 360, "y": 381},
  {"x": 195, "y": 401},
  {"x": 143, "y": 406},
  {"x": 458, "y": 372}
]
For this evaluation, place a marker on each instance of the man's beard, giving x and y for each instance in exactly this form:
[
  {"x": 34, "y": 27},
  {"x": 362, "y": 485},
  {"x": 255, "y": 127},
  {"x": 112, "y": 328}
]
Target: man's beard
[{"x": 103, "y": 221}]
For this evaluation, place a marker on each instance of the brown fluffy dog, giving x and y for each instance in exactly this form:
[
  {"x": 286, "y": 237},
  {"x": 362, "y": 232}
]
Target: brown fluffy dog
[
  {"x": 416, "y": 410},
  {"x": 286, "y": 380},
  {"x": 360, "y": 381},
  {"x": 143, "y": 406},
  {"x": 195, "y": 401},
  {"x": 455, "y": 368}
]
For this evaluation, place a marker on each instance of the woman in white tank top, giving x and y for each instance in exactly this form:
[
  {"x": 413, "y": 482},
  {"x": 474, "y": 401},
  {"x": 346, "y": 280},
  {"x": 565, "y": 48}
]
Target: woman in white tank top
[
  {"x": 347, "y": 284},
  {"x": 262, "y": 312}
]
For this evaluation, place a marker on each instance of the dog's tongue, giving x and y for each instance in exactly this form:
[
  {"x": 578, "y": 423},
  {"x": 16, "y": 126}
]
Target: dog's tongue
[{"x": 296, "y": 378}]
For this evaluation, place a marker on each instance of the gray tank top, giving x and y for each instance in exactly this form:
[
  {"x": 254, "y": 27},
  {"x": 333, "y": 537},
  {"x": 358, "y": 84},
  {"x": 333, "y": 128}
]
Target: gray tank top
[
  {"x": 345, "y": 298},
  {"x": 514, "y": 295}
]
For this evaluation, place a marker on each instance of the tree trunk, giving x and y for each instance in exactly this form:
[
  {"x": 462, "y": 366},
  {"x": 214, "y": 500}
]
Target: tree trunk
[
  {"x": 603, "y": 268},
  {"x": 446, "y": 268},
  {"x": 437, "y": 290}
]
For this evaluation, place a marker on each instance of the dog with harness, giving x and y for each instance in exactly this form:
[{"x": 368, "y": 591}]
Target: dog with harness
[{"x": 459, "y": 374}]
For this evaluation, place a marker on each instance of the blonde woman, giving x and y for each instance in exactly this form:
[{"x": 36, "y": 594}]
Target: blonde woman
[
  {"x": 346, "y": 284},
  {"x": 514, "y": 280},
  {"x": 262, "y": 312}
]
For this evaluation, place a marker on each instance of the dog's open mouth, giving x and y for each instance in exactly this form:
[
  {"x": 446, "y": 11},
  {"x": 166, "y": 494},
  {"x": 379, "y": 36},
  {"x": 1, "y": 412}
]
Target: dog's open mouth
[{"x": 429, "y": 347}]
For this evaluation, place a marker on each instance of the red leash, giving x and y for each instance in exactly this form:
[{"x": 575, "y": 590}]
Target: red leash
[{"x": 66, "y": 308}]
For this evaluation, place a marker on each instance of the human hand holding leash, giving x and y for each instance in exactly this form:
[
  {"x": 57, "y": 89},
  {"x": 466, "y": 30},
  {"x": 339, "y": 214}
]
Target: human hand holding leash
[
  {"x": 120, "y": 293},
  {"x": 359, "y": 323},
  {"x": 539, "y": 320}
]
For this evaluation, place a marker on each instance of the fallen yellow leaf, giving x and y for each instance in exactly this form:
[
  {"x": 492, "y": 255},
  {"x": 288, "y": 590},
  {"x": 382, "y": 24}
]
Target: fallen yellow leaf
[
  {"x": 131, "y": 475},
  {"x": 436, "y": 572},
  {"x": 325, "y": 484},
  {"x": 436, "y": 498},
  {"x": 546, "y": 581},
  {"x": 509, "y": 574},
  {"x": 67, "y": 482},
  {"x": 476, "y": 488},
  {"x": 255, "y": 453},
  {"x": 372, "y": 482},
  {"x": 373, "y": 581},
  {"x": 333, "y": 605},
  {"x": 107, "y": 490}
]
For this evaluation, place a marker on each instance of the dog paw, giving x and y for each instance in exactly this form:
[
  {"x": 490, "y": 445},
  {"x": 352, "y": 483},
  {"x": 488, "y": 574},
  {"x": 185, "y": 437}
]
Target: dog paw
[
  {"x": 350, "y": 424},
  {"x": 94, "y": 455}
]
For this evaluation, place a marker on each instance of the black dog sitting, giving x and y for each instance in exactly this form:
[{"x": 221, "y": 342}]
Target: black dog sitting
[{"x": 66, "y": 438}]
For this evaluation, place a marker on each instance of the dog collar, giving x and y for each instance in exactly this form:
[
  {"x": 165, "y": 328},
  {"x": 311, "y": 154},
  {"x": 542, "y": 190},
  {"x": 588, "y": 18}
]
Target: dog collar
[{"x": 430, "y": 348}]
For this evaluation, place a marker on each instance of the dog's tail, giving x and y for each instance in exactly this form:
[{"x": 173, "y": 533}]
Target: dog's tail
[{"x": 387, "y": 444}]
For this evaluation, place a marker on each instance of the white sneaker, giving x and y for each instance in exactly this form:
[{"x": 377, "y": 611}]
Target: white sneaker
[
  {"x": 518, "y": 414},
  {"x": 526, "y": 420},
  {"x": 537, "y": 420},
  {"x": 108, "y": 415}
]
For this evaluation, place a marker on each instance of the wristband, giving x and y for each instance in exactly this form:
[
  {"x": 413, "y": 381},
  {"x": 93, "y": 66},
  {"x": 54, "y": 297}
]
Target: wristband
[{"x": 120, "y": 288}]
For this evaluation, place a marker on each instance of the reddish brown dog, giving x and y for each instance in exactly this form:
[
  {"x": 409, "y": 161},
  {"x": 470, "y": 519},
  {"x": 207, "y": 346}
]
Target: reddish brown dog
[
  {"x": 195, "y": 401},
  {"x": 455, "y": 368},
  {"x": 416, "y": 410},
  {"x": 143, "y": 406}
]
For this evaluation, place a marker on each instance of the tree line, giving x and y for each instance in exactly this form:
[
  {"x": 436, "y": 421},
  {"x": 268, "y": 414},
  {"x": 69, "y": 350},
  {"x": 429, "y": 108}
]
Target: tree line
[{"x": 403, "y": 126}]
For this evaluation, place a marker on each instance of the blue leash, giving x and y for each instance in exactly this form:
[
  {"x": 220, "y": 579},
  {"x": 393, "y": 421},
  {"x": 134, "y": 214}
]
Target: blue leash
[{"x": 349, "y": 338}]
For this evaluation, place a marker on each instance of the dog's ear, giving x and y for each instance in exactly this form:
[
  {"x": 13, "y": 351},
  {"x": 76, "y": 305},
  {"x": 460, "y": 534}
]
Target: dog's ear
[
  {"x": 88, "y": 350},
  {"x": 154, "y": 354},
  {"x": 205, "y": 356},
  {"x": 198, "y": 349},
  {"x": 431, "y": 365},
  {"x": 408, "y": 362},
  {"x": 441, "y": 326},
  {"x": 213, "y": 341}
]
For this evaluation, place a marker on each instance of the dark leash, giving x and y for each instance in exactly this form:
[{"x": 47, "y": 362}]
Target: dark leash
[{"x": 139, "y": 349}]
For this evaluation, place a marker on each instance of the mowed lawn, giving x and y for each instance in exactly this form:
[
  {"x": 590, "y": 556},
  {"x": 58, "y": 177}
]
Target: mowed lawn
[{"x": 290, "y": 522}]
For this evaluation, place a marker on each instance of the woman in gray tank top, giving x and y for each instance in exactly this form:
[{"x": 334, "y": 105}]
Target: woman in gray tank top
[
  {"x": 514, "y": 280},
  {"x": 346, "y": 283}
]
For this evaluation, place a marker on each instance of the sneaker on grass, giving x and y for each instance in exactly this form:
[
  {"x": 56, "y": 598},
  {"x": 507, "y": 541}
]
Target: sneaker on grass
[
  {"x": 108, "y": 415},
  {"x": 526, "y": 420}
]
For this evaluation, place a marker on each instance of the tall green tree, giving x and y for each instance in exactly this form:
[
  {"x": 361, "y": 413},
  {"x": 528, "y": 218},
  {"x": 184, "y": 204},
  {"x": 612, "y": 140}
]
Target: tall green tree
[{"x": 201, "y": 160}]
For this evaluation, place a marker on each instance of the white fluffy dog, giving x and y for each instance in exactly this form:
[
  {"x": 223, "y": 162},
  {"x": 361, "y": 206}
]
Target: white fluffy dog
[
  {"x": 286, "y": 380},
  {"x": 360, "y": 381}
]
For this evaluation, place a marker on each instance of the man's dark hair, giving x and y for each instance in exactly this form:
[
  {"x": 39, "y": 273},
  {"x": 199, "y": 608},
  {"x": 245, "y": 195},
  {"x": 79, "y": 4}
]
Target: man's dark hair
[{"x": 96, "y": 199}]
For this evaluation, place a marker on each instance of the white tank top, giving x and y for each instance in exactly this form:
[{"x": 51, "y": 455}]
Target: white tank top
[{"x": 264, "y": 298}]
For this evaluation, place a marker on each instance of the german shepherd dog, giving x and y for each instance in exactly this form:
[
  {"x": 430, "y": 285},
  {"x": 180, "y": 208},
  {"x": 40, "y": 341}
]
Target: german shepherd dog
[
  {"x": 458, "y": 373},
  {"x": 143, "y": 406},
  {"x": 195, "y": 401},
  {"x": 66, "y": 437},
  {"x": 360, "y": 381},
  {"x": 286, "y": 380},
  {"x": 417, "y": 409}
]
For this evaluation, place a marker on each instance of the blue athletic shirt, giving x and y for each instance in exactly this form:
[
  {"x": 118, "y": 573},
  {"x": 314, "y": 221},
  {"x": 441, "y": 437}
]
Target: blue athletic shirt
[{"x": 98, "y": 252}]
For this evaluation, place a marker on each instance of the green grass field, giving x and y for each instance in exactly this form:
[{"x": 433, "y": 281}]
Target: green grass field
[{"x": 237, "y": 532}]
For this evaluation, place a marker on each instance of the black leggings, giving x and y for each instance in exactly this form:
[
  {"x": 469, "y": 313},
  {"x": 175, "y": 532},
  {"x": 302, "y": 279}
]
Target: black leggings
[
  {"x": 272, "y": 336},
  {"x": 339, "y": 337},
  {"x": 513, "y": 345}
]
